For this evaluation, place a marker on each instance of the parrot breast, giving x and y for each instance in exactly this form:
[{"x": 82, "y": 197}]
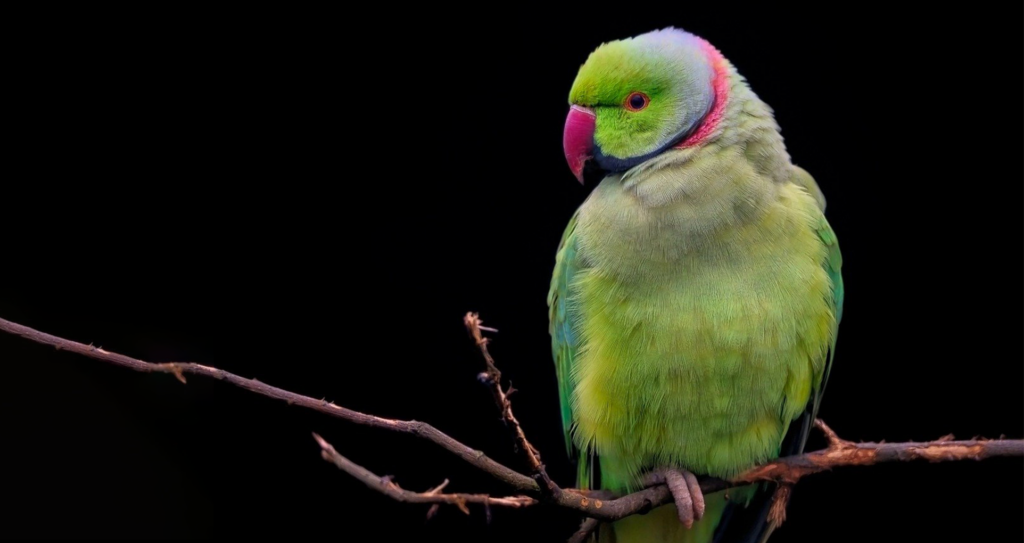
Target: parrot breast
[{"x": 703, "y": 322}]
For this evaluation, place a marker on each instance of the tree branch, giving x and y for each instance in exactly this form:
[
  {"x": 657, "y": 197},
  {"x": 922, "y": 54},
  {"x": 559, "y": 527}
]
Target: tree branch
[
  {"x": 596, "y": 505},
  {"x": 586, "y": 528},
  {"x": 492, "y": 377},
  {"x": 389, "y": 488},
  {"x": 789, "y": 470},
  {"x": 477, "y": 458}
]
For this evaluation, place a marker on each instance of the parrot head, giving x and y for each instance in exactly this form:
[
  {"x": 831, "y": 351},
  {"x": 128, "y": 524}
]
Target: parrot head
[{"x": 634, "y": 99}]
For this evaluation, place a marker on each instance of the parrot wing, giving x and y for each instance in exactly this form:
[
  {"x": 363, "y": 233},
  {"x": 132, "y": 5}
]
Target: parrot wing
[
  {"x": 833, "y": 263},
  {"x": 565, "y": 342},
  {"x": 834, "y": 267},
  {"x": 751, "y": 524}
]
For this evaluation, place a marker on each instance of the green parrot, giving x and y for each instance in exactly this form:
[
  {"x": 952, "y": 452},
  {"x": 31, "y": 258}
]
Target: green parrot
[{"x": 697, "y": 292}]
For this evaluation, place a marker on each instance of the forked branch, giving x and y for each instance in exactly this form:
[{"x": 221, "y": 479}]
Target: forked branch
[{"x": 594, "y": 505}]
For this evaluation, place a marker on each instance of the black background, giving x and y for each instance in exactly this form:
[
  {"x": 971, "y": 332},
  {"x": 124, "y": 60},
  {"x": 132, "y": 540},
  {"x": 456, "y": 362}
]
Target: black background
[{"x": 315, "y": 200}]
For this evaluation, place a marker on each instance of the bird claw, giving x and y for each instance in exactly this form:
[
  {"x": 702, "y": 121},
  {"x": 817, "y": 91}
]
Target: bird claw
[{"x": 686, "y": 493}]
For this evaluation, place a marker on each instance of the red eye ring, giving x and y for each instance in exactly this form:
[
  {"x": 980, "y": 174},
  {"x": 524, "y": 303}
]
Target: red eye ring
[{"x": 637, "y": 101}]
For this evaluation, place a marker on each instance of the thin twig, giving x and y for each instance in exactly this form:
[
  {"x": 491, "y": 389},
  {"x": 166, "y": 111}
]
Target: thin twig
[
  {"x": 586, "y": 528},
  {"x": 477, "y": 458},
  {"x": 780, "y": 500},
  {"x": 831, "y": 436},
  {"x": 492, "y": 377},
  {"x": 389, "y": 488}
]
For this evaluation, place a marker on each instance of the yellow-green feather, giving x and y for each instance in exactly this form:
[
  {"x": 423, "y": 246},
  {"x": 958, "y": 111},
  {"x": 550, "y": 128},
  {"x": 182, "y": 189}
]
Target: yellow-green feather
[
  {"x": 563, "y": 337},
  {"x": 703, "y": 364},
  {"x": 694, "y": 309}
]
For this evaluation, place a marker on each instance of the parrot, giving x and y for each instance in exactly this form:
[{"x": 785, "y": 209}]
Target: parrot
[{"x": 697, "y": 291}]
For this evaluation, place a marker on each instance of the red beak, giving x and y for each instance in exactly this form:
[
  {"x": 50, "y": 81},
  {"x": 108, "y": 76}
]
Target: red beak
[{"x": 578, "y": 139}]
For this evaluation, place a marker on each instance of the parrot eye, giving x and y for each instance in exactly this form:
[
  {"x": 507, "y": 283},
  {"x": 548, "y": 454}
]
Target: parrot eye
[{"x": 637, "y": 101}]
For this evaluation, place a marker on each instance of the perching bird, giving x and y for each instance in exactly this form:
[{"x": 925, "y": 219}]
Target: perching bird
[{"x": 697, "y": 292}]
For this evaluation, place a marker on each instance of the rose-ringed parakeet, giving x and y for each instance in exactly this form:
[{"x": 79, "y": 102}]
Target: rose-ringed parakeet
[{"x": 697, "y": 292}]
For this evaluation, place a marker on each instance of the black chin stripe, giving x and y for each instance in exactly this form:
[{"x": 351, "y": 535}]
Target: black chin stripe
[{"x": 613, "y": 164}]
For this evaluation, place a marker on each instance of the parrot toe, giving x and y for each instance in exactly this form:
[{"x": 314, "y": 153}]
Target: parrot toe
[{"x": 686, "y": 493}]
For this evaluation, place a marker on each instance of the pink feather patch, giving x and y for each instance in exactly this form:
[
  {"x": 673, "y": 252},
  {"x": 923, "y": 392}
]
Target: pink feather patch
[{"x": 721, "y": 87}]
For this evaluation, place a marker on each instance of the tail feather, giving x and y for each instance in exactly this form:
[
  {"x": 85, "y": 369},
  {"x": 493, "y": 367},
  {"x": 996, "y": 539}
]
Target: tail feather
[
  {"x": 746, "y": 524},
  {"x": 751, "y": 524}
]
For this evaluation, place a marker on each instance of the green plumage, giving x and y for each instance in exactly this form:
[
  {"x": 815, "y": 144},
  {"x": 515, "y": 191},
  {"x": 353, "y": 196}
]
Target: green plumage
[{"x": 694, "y": 306}]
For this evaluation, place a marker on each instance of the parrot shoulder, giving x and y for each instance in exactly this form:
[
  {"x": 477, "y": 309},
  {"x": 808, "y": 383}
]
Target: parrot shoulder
[{"x": 803, "y": 179}]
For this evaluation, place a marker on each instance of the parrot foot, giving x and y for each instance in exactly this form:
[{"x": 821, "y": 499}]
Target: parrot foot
[{"x": 685, "y": 492}]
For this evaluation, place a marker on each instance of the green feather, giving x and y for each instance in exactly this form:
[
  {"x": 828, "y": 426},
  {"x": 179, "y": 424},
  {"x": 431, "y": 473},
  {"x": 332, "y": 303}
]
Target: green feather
[
  {"x": 564, "y": 346},
  {"x": 560, "y": 325},
  {"x": 834, "y": 268},
  {"x": 696, "y": 297}
]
